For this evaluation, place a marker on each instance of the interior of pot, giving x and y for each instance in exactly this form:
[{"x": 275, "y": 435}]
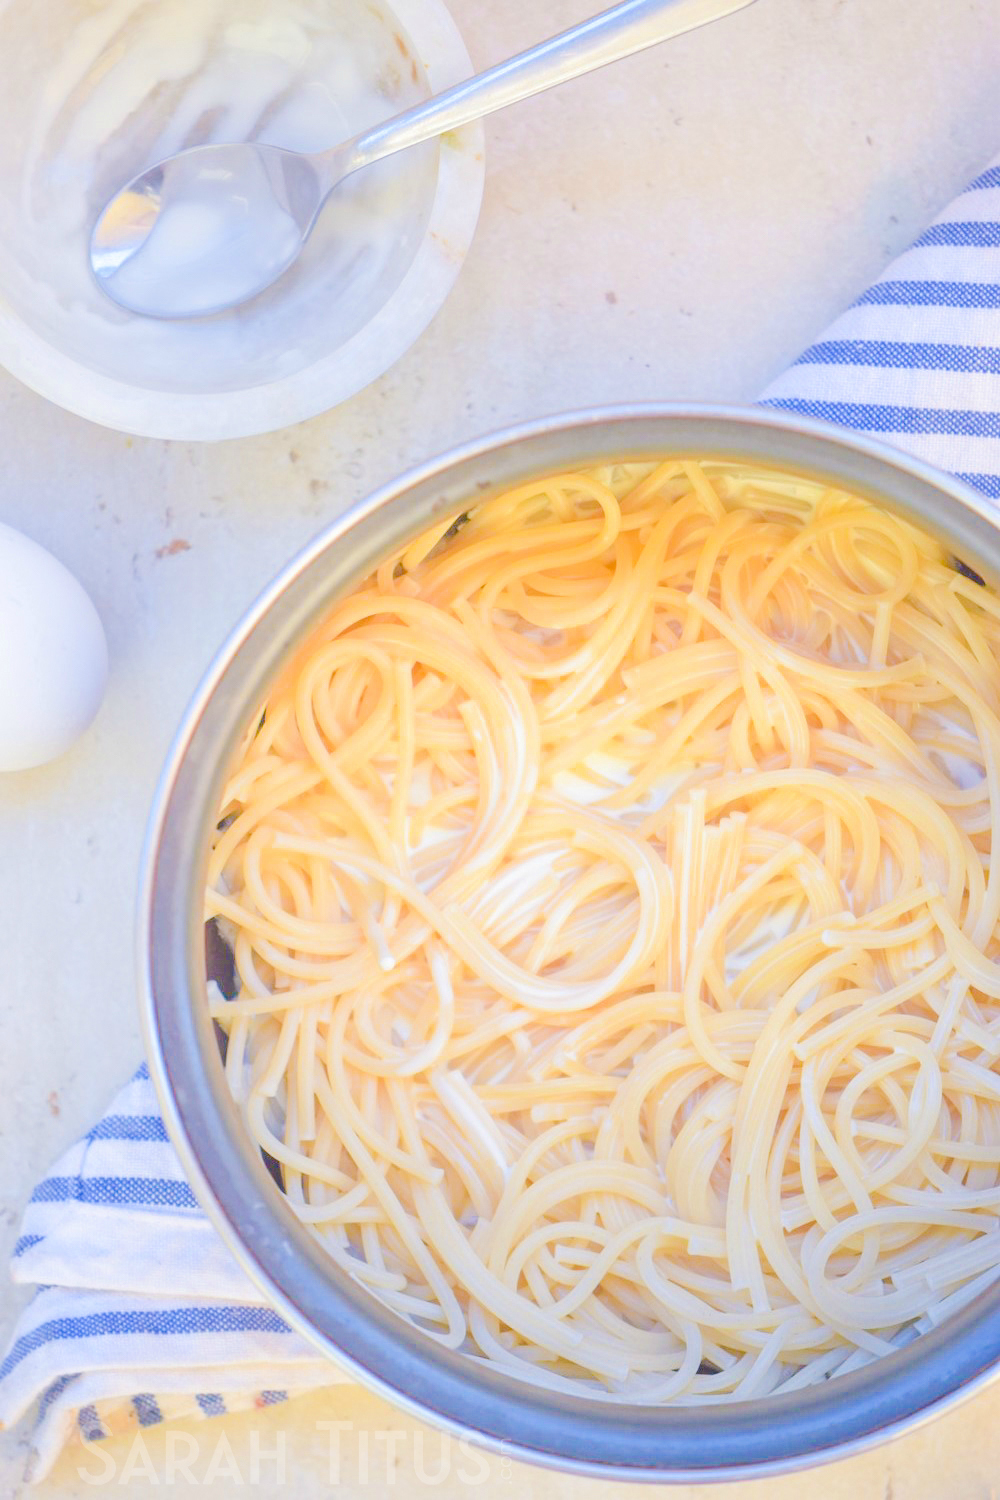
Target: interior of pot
[{"x": 232, "y": 1181}]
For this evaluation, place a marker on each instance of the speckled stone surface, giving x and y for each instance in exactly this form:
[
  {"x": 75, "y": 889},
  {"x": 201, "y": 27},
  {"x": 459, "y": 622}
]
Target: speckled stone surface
[{"x": 679, "y": 226}]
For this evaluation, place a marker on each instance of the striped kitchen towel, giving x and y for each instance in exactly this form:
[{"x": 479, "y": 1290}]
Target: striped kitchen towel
[
  {"x": 916, "y": 360},
  {"x": 140, "y": 1312}
]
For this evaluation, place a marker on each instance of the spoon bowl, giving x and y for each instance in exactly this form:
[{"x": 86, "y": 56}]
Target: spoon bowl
[{"x": 206, "y": 230}]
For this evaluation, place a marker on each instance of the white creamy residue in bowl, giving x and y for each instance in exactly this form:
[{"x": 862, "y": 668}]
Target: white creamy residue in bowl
[{"x": 98, "y": 92}]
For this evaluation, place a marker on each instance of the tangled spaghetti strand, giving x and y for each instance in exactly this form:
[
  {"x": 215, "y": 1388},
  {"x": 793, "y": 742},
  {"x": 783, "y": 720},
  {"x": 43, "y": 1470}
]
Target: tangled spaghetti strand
[{"x": 611, "y": 894}]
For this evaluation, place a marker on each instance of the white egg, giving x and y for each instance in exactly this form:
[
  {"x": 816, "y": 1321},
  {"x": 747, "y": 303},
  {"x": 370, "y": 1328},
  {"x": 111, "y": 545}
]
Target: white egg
[{"x": 53, "y": 655}]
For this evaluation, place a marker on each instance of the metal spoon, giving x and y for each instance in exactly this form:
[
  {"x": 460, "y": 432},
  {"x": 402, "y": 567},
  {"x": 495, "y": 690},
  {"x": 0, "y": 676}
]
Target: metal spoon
[{"x": 211, "y": 227}]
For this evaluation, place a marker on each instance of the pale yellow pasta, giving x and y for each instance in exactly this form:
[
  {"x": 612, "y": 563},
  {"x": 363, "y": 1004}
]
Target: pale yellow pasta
[{"x": 616, "y": 928}]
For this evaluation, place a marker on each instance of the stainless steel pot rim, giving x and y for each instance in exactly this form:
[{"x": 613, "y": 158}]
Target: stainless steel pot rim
[{"x": 587, "y": 1437}]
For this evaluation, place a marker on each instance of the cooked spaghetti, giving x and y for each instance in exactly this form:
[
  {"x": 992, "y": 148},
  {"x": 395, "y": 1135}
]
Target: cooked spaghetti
[{"x": 611, "y": 891}]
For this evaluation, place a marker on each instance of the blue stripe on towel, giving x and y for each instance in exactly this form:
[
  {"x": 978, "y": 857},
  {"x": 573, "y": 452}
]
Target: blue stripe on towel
[
  {"x": 147, "y": 1409},
  {"x": 988, "y": 483},
  {"x": 149, "y": 1192},
  {"x": 54, "y": 1391},
  {"x": 978, "y": 234},
  {"x": 988, "y": 179},
  {"x": 163, "y": 1322},
  {"x": 90, "y": 1424},
  {"x": 890, "y": 354},
  {"x": 865, "y": 417},
  {"x": 981, "y": 294},
  {"x": 211, "y": 1404},
  {"x": 129, "y": 1128}
]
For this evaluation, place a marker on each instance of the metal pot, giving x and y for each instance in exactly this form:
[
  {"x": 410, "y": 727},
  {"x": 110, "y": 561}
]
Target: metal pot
[{"x": 752, "y": 1438}]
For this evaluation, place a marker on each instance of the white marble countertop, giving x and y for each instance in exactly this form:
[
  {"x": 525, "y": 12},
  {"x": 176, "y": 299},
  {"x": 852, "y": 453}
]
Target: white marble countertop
[{"x": 679, "y": 226}]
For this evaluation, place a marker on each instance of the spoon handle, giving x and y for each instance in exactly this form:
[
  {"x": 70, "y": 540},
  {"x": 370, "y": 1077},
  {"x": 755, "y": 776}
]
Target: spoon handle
[{"x": 615, "y": 33}]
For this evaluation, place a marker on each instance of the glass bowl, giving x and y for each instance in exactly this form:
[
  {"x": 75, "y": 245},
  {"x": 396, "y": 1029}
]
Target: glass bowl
[{"x": 130, "y": 81}]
